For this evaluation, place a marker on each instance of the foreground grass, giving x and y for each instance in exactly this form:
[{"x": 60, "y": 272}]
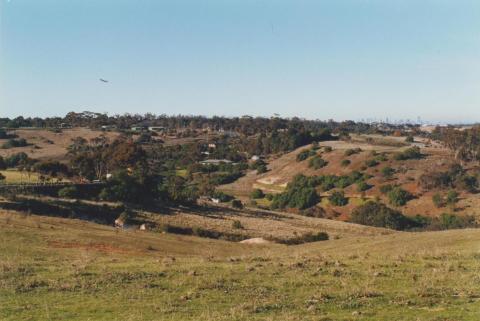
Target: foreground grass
[{"x": 60, "y": 269}]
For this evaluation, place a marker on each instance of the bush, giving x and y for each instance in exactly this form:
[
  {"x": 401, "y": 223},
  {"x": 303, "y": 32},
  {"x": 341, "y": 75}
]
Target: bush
[
  {"x": 11, "y": 143},
  {"x": 452, "y": 197},
  {"x": 304, "y": 154},
  {"x": 2, "y": 177},
  {"x": 362, "y": 186},
  {"x": 437, "y": 200},
  {"x": 337, "y": 198},
  {"x": 450, "y": 221},
  {"x": 262, "y": 169},
  {"x": 387, "y": 172},
  {"x": 222, "y": 197},
  {"x": 371, "y": 163},
  {"x": 381, "y": 158},
  {"x": 126, "y": 216},
  {"x": 409, "y": 139},
  {"x": 409, "y": 153},
  {"x": 345, "y": 162},
  {"x": 269, "y": 197},
  {"x": 385, "y": 189},
  {"x": 257, "y": 193},
  {"x": 68, "y": 192},
  {"x": 351, "y": 151},
  {"x": 237, "y": 204},
  {"x": 327, "y": 149},
  {"x": 236, "y": 224},
  {"x": 317, "y": 162},
  {"x": 398, "y": 196},
  {"x": 3, "y": 164},
  {"x": 379, "y": 215}
]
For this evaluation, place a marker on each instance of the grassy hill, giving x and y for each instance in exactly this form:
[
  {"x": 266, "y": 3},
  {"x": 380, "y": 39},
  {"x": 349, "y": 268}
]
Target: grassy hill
[
  {"x": 66, "y": 269},
  {"x": 283, "y": 168}
]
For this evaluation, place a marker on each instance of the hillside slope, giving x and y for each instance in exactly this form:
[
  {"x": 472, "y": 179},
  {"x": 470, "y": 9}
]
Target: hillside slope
[{"x": 63, "y": 269}]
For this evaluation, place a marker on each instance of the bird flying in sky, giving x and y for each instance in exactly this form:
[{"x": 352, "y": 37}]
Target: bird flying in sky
[{"x": 103, "y": 80}]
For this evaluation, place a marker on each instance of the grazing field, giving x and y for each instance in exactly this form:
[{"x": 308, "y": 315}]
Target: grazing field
[
  {"x": 50, "y": 145},
  {"x": 62, "y": 269}
]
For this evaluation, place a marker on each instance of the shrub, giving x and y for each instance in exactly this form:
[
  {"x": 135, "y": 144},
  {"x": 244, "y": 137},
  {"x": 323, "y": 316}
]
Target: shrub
[
  {"x": 362, "y": 186},
  {"x": 351, "y": 151},
  {"x": 345, "y": 162},
  {"x": 327, "y": 149},
  {"x": 409, "y": 153},
  {"x": 222, "y": 197},
  {"x": 2, "y": 177},
  {"x": 317, "y": 162},
  {"x": 398, "y": 196},
  {"x": 236, "y": 224},
  {"x": 237, "y": 204},
  {"x": 257, "y": 193},
  {"x": 126, "y": 216},
  {"x": 381, "y": 158},
  {"x": 11, "y": 143},
  {"x": 269, "y": 197},
  {"x": 437, "y": 200},
  {"x": 450, "y": 221},
  {"x": 68, "y": 192},
  {"x": 262, "y": 169},
  {"x": 304, "y": 154},
  {"x": 452, "y": 197},
  {"x": 379, "y": 215},
  {"x": 409, "y": 139},
  {"x": 337, "y": 198},
  {"x": 371, "y": 163},
  {"x": 387, "y": 172},
  {"x": 385, "y": 189}
]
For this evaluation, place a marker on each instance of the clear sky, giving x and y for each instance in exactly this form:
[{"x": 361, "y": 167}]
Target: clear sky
[{"x": 341, "y": 59}]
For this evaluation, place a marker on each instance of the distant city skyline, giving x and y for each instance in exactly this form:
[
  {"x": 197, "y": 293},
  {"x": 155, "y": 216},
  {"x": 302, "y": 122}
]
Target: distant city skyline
[{"x": 346, "y": 59}]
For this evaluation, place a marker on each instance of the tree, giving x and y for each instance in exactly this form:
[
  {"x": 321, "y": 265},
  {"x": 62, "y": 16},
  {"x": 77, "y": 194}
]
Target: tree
[
  {"x": 337, "y": 198},
  {"x": 317, "y": 162},
  {"x": 378, "y": 214},
  {"x": 237, "y": 204},
  {"x": 3, "y": 165},
  {"x": 398, "y": 196},
  {"x": 257, "y": 193}
]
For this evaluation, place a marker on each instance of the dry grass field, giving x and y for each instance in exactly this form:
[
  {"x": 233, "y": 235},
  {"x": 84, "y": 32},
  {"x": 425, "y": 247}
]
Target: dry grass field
[
  {"x": 50, "y": 145},
  {"x": 65, "y": 269}
]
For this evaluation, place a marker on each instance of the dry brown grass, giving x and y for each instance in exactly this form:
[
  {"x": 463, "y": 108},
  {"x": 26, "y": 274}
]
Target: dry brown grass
[{"x": 52, "y": 145}]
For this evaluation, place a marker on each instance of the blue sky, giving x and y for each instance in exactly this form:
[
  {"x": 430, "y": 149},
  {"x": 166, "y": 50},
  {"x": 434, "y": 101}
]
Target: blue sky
[{"x": 341, "y": 59}]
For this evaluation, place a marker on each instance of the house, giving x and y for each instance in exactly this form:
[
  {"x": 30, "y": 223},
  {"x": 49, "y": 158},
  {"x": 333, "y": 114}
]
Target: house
[
  {"x": 215, "y": 161},
  {"x": 156, "y": 129},
  {"x": 108, "y": 127},
  {"x": 65, "y": 125},
  {"x": 211, "y": 145},
  {"x": 139, "y": 128}
]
